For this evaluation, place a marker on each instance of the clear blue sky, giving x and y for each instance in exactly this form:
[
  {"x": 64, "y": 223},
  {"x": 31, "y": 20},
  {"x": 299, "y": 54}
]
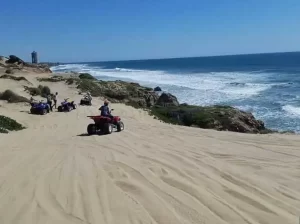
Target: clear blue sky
[{"x": 75, "y": 30}]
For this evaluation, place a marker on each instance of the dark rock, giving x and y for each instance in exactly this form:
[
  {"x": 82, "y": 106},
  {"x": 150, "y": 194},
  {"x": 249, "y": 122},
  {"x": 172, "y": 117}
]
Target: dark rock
[
  {"x": 14, "y": 59},
  {"x": 157, "y": 89},
  {"x": 43, "y": 68},
  {"x": 222, "y": 118},
  {"x": 167, "y": 99}
]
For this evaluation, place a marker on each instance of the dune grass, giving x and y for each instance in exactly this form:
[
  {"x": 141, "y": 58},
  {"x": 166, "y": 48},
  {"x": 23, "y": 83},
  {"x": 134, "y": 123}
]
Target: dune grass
[
  {"x": 7, "y": 124},
  {"x": 41, "y": 90},
  {"x": 12, "y": 97}
]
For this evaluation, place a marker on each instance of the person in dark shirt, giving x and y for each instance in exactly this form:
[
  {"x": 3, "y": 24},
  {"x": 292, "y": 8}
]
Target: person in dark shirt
[
  {"x": 105, "y": 112},
  {"x": 49, "y": 101}
]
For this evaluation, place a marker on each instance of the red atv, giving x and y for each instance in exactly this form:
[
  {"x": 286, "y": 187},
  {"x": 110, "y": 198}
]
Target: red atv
[{"x": 105, "y": 125}]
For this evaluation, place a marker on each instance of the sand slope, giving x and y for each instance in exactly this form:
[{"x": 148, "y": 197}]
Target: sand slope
[{"x": 150, "y": 173}]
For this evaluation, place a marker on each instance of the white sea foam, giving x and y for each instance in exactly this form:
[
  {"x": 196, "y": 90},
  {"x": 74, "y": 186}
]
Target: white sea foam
[
  {"x": 196, "y": 88},
  {"x": 233, "y": 88},
  {"x": 292, "y": 110}
]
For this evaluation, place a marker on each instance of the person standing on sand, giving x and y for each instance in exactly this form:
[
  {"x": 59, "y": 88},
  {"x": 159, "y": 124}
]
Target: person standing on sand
[
  {"x": 49, "y": 101},
  {"x": 54, "y": 97}
]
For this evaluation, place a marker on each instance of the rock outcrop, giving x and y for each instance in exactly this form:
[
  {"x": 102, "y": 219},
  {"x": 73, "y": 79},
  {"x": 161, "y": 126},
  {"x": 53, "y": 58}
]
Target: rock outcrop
[
  {"x": 115, "y": 91},
  {"x": 157, "y": 89},
  {"x": 14, "y": 60},
  {"x": 166, "y": 106},
  {"x": 222, "y": 118},
  {"x": 167, "y": 99},
  {"x": 15, "y": 63}
]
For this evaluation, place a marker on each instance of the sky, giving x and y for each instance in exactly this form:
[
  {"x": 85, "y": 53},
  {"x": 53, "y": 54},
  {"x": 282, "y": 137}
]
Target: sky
[{"x": 103, "y": 30}]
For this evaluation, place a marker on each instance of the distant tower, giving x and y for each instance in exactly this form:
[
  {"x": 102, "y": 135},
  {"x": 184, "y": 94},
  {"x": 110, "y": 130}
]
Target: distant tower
[{"x": 34, "y": 57}]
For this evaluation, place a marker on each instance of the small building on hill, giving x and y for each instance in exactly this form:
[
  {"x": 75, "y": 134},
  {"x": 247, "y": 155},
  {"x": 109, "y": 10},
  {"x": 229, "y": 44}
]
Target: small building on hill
[{"x": 34, "y": 57}]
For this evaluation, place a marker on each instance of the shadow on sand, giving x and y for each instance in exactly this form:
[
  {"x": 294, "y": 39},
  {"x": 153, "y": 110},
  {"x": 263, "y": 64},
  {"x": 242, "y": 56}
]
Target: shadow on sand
[
  {"x": 83, "y": 135},
  {"x": 86, "y": 134},
  {"x": 25, "y": 111}
]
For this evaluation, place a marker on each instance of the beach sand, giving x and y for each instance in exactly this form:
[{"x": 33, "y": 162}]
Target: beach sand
[{"x": 151, "y": 172}]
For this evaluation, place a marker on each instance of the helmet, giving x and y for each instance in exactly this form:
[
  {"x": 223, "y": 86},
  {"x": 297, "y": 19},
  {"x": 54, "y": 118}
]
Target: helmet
[{"x": 106, "y": 102}]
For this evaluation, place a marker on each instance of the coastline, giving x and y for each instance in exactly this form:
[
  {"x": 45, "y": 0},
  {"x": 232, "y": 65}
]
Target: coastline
[
  {"x": 266, "y": 88},
  {"x": 214, "y": 124}
]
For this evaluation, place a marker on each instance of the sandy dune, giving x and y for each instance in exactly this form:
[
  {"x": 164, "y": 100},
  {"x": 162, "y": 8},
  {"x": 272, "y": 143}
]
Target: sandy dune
[{"x": 150, "y": 173}]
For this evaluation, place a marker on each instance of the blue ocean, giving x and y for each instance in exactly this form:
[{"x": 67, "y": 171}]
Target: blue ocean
[{"x": 267, "y": 85}]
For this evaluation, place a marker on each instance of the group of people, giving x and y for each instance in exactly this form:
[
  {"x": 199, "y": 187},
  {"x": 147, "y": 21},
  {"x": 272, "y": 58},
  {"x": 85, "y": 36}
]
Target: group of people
[
  {"x": 52, "y": 101},
  {"x": 51, "y": 98}
]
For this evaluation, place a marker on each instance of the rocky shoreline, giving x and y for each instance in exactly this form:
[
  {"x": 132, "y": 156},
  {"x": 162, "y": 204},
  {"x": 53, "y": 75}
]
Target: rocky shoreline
[
  {"x": 13, "y": 63},
  {"x": 165, "y": 106}
]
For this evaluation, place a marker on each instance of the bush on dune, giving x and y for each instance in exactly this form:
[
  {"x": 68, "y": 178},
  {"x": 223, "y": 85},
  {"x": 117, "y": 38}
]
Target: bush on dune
[
  {"x": 9, "y": 71},
  {"x": 51, "y": 79},
  {"x": 33, "y": 91},
  {"x": 3, "y": 131},
  {"x": 86, "y": 76},
  {"x": 220, "y": 118},
  {"x": 70, "y": 81},
  {"x": 38, "y": 91},
  {"x": 8, "y": 124},
  {"x": 16, "y": 78},
  {"x": 12, "y": 97},
  {"x": 87, "y": 85},
  {"x": 45, "y": 90}
]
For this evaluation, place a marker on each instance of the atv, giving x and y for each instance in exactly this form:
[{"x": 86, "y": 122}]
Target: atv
[
  {"x": 105, "y": 125},
  {"x": 40, "y": 108},
  {"x": 67, "y": 106},
  {"x": 86, "y": 101}
]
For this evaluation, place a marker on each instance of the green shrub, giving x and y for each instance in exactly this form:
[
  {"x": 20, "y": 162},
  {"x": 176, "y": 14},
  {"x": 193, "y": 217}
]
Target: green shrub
[
  {"x": 70, "y": 81},
  {"x": 8, "y": 124},
  {"x": 13, "y": 78},
  {"x": 90, "y": 86},
  {"x": 45, "y": 90},
  {"x": 12, "y": 97},
  {"x": 33, "y": 91},
  {"x": 51, "y": 79},
  {"x": 9, "y": 71},
  {"x": 86, "y": 76},
  {"x": 188, "y": 115},
  {"x": 3, "y": 131}
]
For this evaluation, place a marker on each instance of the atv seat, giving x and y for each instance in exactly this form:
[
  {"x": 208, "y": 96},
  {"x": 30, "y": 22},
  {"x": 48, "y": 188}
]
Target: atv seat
[{"x": 98, "y": 118}]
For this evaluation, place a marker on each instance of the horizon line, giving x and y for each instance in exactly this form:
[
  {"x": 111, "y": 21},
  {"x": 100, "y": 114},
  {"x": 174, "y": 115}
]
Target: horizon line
[{"x": 186, "y": 57}]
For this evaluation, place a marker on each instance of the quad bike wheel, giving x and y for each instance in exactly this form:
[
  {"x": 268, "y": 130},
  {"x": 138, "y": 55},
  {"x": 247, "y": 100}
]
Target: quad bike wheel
[
  {"x": 120, "y": 126},
  {"x": 43, "y": 112},
  {"x": 108, "y": 128},
  {"x": 59, "y": 109},
  {"x": 74, "y": 106},
  {"x": 32, "y": 111},
  {"x": 91, "y": 129}
]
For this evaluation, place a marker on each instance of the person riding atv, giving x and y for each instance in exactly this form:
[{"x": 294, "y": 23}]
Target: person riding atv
[
  {"x": 86, "y": 100},
  {"x": 105, "y": 112},
  {"x": 88, "y": 96}
]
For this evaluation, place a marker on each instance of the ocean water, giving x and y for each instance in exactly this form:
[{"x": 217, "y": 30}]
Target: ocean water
[{"x": 267, "y": 85}]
